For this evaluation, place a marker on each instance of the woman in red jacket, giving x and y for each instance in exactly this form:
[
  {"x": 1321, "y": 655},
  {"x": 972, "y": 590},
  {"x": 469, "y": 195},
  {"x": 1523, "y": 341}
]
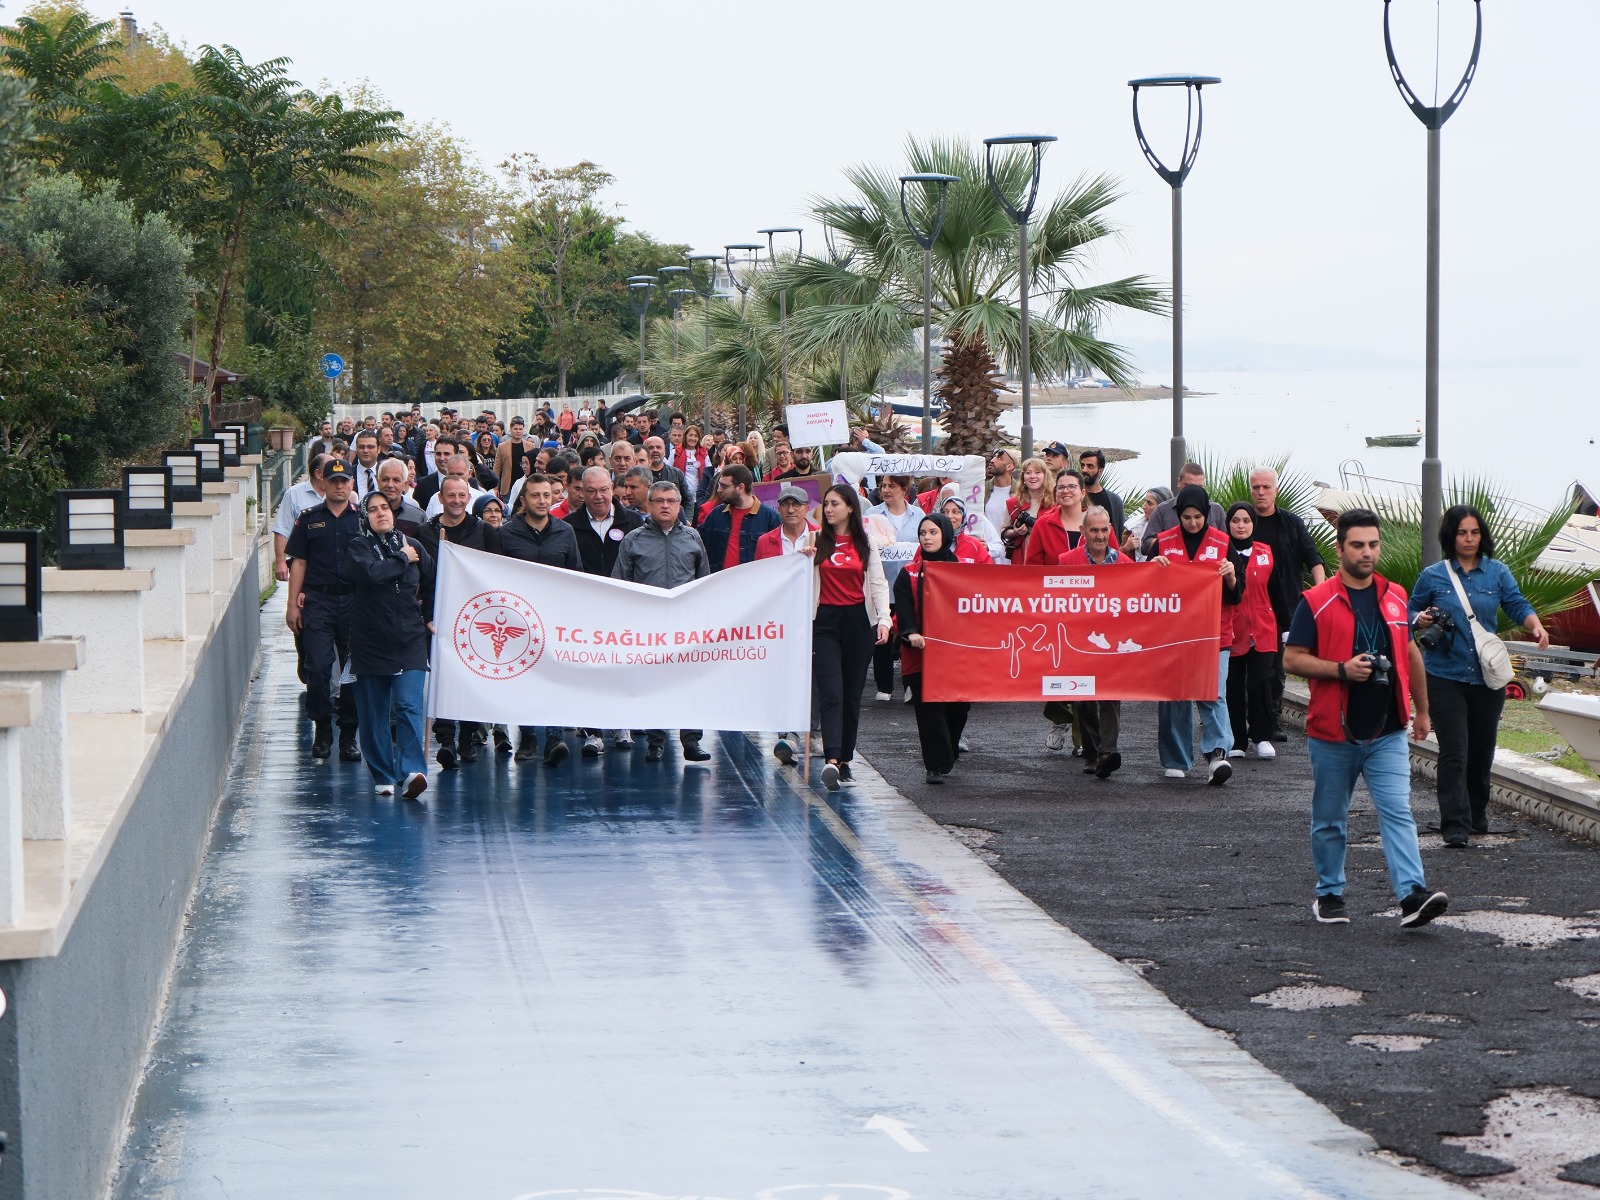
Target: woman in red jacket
[
  {"x": 690, "y": 458},
  {"x": 1058, "y": 529},
  {"x": 1255, "y": 638}
]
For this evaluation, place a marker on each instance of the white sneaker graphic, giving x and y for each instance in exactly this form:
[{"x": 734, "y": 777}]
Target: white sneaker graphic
[
  {"x": 1128, "y": 647},
  {"x": 1099, "y": 639}
]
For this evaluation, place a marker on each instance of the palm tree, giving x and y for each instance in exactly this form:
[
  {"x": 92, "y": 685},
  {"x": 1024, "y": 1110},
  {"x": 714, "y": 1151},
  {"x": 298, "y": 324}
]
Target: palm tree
[{"x": 872, "y": 304}]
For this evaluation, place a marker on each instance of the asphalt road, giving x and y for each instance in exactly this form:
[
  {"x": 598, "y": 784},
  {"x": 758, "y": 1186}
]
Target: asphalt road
[{"x": 1208, "y": 891}]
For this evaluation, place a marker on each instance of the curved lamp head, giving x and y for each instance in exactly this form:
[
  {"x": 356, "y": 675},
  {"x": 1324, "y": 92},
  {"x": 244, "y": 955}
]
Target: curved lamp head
[
  {"x": 753, "y": 249},
  {"x": 830, "y": 232},
  {"x": 639, "y": 289},
  {"x": 1036, "y": 142},
  {"x": 1436, "y": 116},
  {"x": 1191, "y": 85},
  {"x": 942, "y": 183},
  {"x": 775, "y": 231},
  {"x": 711, "y": 261}
]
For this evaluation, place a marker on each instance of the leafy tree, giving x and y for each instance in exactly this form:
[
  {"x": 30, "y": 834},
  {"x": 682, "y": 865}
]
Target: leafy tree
[
  {"x": 873, "y": 304},
  {"x": 16, "y": 131},
  {"x": 59, "y": 55},
  {"x": 281, "y": 163},
  {"x": 563, "y": 238},
  {"x": 423, "y": 291},
  {"x": 143, "y": 144},
  {"x": 130, "y": 274},
  {"x": 54, "y": 362}
]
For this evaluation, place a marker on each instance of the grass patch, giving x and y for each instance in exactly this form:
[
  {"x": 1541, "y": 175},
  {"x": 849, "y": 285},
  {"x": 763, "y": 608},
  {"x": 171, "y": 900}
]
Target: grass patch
[
  {"x": 1524, "y": 729},
  {"x": 267, "y": 595}
]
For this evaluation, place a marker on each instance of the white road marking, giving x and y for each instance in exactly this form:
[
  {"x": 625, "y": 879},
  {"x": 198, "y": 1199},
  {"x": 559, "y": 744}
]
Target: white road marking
[{"x": 899, "y": 1131}]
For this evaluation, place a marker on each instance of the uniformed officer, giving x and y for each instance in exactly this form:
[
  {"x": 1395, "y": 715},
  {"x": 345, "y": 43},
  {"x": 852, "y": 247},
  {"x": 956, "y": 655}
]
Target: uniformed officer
[{"x": 321, "y": 603}]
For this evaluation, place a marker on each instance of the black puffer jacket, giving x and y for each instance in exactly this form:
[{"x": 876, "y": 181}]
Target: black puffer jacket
[{"x": 393, "y": 602}]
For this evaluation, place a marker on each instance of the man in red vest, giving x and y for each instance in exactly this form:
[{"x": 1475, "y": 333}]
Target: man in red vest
[{"x": 1351, "y": 641}]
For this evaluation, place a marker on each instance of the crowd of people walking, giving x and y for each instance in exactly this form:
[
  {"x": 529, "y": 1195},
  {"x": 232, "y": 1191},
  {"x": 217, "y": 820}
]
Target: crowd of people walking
[{"x": 651, "y": 497}]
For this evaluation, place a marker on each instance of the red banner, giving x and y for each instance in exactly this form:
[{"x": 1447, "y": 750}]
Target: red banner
[{"x": 1133, "y": 631}]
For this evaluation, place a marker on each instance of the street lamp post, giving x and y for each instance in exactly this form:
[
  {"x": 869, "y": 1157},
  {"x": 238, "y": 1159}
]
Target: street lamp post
[
  {"x": 668, "y": 277},
  {"x": 942, "y": 185},
  {"x": 1191, "y": 85},
  {"x": 711, "y": 261},
  {"x": 1036, "y": 143},
  {"x": 783, "y": 302},
  {"x": 753, "y": 249},
  {"x": 842, "y": 258},
  {"x": 640, "y": 288},
  {"x": 1433, "y": 119}
]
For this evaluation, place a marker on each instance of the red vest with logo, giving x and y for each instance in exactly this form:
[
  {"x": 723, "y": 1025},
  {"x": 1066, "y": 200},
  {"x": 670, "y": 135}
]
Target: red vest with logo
[
  {"x": 1212, "y": 552},
  {"x": 1336, "y": 641},
  {"x": 1254, "y": 625}
]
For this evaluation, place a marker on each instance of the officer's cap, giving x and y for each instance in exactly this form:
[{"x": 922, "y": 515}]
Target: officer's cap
[{"x": 336, "y": 468}]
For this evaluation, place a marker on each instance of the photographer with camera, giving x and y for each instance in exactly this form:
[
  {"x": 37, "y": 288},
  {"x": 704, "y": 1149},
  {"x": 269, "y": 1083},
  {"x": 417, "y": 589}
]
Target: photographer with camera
[
  {"x": 1351, "y": 641},
  {"x": 1466, "y": 710},
  {"x": 1035, "y": 494}
]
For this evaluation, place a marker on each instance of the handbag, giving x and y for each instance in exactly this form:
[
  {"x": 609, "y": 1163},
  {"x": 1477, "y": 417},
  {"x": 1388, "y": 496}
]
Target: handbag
[{"x": 1493, "y": 657}]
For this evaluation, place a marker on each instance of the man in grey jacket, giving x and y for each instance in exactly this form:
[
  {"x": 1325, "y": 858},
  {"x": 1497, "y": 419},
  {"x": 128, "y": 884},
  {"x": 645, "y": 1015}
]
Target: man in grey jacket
[
  {"x": 1165, "y": 515},
  {"x": 664, "y": 554}
]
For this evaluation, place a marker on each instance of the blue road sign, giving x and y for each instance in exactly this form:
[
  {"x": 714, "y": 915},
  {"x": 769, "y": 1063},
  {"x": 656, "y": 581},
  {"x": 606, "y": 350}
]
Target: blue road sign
[{"x": 332, "y": 366}]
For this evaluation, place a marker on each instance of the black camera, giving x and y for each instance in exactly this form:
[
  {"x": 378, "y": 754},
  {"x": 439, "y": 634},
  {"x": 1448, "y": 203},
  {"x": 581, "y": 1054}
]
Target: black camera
[
  {"x": 1381, "y": 667},
  {"x": 1438, "y": 633}
]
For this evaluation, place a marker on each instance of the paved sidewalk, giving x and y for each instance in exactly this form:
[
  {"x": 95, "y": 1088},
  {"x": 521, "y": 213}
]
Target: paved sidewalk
[
  {"x": 1207, "y": 892},
  {"x": 622, "y": 979}
]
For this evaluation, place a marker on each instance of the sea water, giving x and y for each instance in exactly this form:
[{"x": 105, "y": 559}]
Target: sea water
[{"x": 1532, "y": 432}]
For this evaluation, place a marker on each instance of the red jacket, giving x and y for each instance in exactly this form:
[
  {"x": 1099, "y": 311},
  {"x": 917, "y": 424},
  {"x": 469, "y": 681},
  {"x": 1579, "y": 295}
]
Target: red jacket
[
  {"x": 1079, "y": 557},
  {"x": 680, "y": 455},
  {"x": 770, "y": 543},
  {"x": 1213, "y": 550},
  {"x": 1254, "y": 626},
  {"x": 1336, "y": 642},
  {"x": 970, "y": 550},
  {"x": 1048, "y": 541}
]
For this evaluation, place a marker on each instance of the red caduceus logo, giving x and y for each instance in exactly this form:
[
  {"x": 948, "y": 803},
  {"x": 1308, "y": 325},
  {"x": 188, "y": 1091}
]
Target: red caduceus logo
[{"x": 498, "y": 635}]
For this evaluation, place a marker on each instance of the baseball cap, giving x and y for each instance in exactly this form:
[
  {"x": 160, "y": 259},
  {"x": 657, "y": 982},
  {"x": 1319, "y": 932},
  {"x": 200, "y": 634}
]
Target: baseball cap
[
  {"x": 793, "y": 493},
  {"x": 1058, "y": 448},
  {"x": 336, "y": 468}
]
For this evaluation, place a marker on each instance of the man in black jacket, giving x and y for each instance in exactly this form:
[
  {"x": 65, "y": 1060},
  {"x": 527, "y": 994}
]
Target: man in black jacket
[
  {"x": 454, "y": 524},
  {"x": 532, "y": 536},
  {"x": 600, "y": 524}
]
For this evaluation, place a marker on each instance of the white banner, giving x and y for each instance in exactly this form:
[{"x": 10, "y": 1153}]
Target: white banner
[
  {"x": 824, "y": 424},
  {"x": 525, "y": 644}
]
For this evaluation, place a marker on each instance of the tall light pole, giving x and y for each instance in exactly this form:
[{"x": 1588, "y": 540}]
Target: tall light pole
[
  {"x": 1191, "y": 85},
  {"x": 1036, "y": 143},
  {"x": 783, "y": 301},
  {"x": 1433, "y": 119},
  {"x": 842, "y": 258},
  {"x": 639, "y": 289},
  {"x": 753, "y": 249},
  {"x": 941, "y": 184},
  {"x": 669, "y": 276},
  {"x": 711, "y": 261}
]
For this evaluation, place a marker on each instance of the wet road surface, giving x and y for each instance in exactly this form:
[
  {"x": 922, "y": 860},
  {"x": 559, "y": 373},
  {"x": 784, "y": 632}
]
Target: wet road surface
[{"x": 620, "y": 979}]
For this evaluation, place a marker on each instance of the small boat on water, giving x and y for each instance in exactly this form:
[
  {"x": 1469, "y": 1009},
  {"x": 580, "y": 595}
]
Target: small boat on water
[{"x": 1394, "y": 439}]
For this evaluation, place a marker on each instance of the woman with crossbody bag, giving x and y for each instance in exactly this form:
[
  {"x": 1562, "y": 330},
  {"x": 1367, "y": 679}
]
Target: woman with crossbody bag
[{"x": 1455, "y": 608}]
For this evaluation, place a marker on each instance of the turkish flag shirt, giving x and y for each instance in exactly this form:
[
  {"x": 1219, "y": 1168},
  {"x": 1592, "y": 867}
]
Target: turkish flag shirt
[{"x": 843, "y": 575}]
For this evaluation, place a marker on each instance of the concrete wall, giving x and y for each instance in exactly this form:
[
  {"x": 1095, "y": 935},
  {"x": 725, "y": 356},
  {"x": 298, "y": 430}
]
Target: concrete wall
[{"x": 73, "y": 1041}]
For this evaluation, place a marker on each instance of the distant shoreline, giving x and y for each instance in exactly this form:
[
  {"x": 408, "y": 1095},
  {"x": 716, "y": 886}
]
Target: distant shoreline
[{"x": 1061, "y": 396}]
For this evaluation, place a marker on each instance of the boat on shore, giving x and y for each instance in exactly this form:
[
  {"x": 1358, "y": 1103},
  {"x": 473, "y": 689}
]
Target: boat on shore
[{"x": 1394, "y": 439}]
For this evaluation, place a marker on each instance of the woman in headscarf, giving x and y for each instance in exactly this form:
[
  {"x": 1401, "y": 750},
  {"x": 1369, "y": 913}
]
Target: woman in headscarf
[
  {"x": 489, "y": 509},
  {"x": 939, "y": 724},
  {"x": 393, "y": 580},
  {"x": 1153, "y": 499},
  {"x": 976, "y": 539},
  {"x": 1255, "y": 637},
  {"x": 1192, "y": 540}
]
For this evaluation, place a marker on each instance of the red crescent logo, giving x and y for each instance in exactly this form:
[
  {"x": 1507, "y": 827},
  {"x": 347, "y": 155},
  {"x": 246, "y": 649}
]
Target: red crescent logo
[{"x": 498, "y": 635}]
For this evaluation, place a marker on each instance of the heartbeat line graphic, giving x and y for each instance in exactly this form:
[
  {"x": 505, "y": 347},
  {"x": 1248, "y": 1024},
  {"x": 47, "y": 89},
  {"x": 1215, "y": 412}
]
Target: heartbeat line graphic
[{"x": 1036, "y": 639}]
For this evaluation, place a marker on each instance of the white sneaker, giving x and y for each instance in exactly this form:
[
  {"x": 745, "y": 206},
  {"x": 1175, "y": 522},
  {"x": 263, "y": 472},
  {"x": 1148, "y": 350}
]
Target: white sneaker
[
  {"x": 1056, "y": 739},
  {"x": 1235, "y": 753},
  {"x": 961, "y": 745},
  {"x": 384, "y": 789},
  {"x": 1175, "y": 773},
  {"x": 623, "y": 740},
  {"x": 416, "y": 784},
  {"x": 884, "y": 697},
  {"x": 593, "y": 746},
  {"x": 908, "y": 696},
  {"x": 830, "y": 776},
  {"x": 1266, "y": 750},
  {"x": 1219, "y": 772}
]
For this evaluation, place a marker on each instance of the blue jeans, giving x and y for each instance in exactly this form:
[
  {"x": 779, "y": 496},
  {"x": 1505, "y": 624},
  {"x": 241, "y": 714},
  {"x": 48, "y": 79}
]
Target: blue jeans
[
  {"x": 1175, "y": 723},
  {"x": 392, "y": 757},
  {"x": 1386, "y": 766}
]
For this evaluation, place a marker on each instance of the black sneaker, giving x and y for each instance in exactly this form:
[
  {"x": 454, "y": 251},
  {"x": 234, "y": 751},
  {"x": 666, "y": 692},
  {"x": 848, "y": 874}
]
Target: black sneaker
[
  {"x": 692, "y": 752},
  {"x": 322, "y": 741},
  {"x": 1109, "y": 765},
  {"x": 844, "y": 773},
  {"x": 933, "y": 777},
  {"x": 348, "y": 750},
  {"x": 467, "y": 749},
  {"x": 1422, "y": 906},
  {"x": 1220, "y": 770},
  {"x": 653, "y": 753},
  {"x": 446, "y": 758},
  {"x": 1329, "y": 910},
  {"x": 527, "y": 750},
  {"x": 502, "y": 742},
  {"x": 556, "y": 753},
  {"x": 1091, "y": 765},
  {"x": 1280, "y": 735}
]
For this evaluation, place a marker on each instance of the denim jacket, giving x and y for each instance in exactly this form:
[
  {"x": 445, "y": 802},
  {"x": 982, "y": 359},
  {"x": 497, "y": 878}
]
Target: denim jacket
[{"x": 1490, "y": 587}]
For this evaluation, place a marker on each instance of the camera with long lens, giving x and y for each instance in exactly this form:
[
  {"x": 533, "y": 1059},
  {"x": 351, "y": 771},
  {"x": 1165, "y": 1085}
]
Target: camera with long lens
[
  {"x": 1381, "y": 666},
  {"x": 1438, "y": 633}
]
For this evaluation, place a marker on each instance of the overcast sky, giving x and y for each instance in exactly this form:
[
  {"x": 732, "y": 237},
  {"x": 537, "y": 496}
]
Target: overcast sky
[{"x": 1304, "y": 216}]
